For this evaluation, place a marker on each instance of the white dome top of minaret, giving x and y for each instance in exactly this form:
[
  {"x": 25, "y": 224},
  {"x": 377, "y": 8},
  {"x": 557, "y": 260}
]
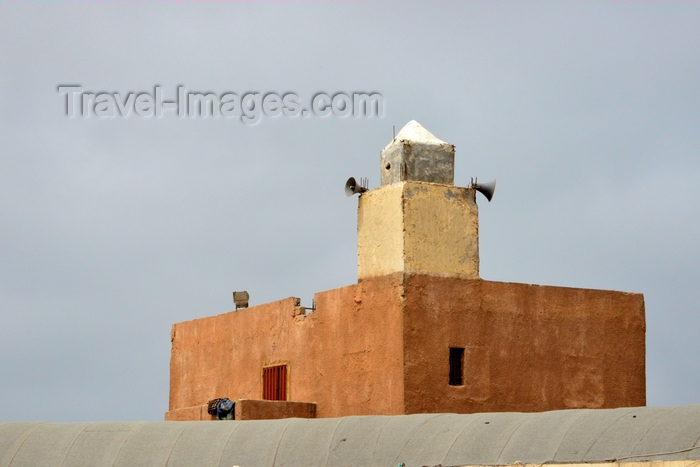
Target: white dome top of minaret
[{"x": 414, "y": 131}]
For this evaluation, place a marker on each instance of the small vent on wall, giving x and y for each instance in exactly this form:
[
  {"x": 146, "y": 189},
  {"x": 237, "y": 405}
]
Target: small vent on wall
[
  {"x": 456, "y": 364},
  {"x": 241, "y": 299}
]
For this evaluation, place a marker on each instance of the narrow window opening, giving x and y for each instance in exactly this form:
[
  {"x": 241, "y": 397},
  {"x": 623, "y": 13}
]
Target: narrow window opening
[
  {"x": 456, "y": 362},
  {"x": 275, "y": 383}
]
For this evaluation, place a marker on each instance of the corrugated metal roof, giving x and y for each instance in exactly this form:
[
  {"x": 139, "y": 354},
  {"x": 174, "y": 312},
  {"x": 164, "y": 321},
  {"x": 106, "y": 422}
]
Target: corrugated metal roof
[{"x": 628, "y": 434}]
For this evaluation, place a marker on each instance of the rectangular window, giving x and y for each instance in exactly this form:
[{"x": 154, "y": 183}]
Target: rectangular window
[
  {"x": 456, "y": 362},
  {"x": 275, "y": 383}
]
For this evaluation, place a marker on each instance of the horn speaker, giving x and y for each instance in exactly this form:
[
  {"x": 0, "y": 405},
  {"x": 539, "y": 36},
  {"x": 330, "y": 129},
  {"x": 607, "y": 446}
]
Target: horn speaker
[
  {"x": 486, "y": 189},
  {"x": 352, "y": 187}
]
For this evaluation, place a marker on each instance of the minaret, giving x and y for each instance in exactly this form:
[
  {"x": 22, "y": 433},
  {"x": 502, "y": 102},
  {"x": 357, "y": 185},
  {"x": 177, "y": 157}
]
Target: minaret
[{"x": 417, "y": 221}]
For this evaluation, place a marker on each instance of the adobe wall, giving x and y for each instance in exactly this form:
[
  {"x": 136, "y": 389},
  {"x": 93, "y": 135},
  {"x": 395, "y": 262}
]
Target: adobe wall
[
  {"x": 346, "y": 356},
  {"x": 527, "y": 347}
]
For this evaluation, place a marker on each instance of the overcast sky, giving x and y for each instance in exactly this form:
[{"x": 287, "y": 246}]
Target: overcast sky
[{"x": 112, "y": 229}]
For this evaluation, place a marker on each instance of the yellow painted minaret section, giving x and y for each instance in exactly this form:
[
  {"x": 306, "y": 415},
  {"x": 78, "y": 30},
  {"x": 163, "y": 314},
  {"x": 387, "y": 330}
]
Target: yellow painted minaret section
[{"x": 417, "y": 221}]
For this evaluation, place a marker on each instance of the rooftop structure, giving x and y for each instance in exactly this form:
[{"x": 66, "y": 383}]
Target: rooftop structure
[{"x": 420, "y": 332}]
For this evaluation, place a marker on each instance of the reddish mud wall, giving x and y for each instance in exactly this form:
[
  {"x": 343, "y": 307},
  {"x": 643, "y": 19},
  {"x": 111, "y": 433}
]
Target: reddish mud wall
[
  {"x": 346, "y": 356},
  {"x": 527, "y": 347}
]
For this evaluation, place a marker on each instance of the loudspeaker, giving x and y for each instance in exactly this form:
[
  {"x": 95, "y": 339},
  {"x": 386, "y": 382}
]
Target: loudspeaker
[
  {"x": 486, "y": 189},
  {"x": 352, "y": 187}
]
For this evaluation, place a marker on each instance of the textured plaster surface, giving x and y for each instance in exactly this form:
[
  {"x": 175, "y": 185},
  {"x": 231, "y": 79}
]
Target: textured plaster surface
[
  {"x": 382, "y": 347},
  {"x": 380, "y": 235},
  {"x": 418, "y": 227},
  {"x": 527, "y": 347},
  {"x": 270, "y": 410},
  {"x": 441, "y": 230},
  {"x": 346, "y": 356},
  {"x": 416, "y": 154}
]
